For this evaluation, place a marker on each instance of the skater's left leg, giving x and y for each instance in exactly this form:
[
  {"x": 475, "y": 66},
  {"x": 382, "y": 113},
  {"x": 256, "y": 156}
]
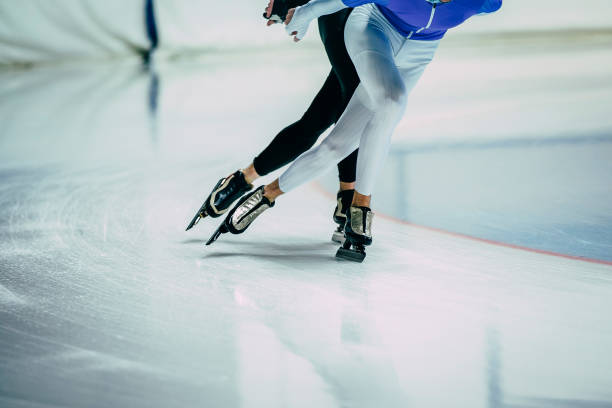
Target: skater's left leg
[
  {"x": 347, "y": 172},
  {"x": 411, "y": 61},
  {"x": 331, "y": 28},
  {"x": 361, "y": 200}
]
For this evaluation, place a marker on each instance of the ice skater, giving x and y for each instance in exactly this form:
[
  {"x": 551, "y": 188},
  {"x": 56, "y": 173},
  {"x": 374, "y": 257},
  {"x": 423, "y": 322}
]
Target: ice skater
[
  {"x": 295, "y": 139},
  {"x": 390, "y": 43}
]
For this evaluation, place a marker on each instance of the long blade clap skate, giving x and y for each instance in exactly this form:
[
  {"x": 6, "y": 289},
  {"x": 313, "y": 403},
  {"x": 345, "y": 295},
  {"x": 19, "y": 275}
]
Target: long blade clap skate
[
  {"x": 344, "y": 198},
  {"x": 243, "y": 214},
  {"x": 358, "y": 233},
  {"x": 226, "y": 191}
]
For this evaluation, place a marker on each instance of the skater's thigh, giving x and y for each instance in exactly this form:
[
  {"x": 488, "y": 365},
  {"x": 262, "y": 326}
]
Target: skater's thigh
[
  {"x": 344, "y": 138},
  {"x": 332, "y": 34},
  {"x": 371, "y": 44}
]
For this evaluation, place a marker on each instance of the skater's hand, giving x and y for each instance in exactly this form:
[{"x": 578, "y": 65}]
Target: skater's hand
[
  {"x": 297, "y": 23},
  {"x": 269, "y": 8},
  {"x": 268, "y": 12}
]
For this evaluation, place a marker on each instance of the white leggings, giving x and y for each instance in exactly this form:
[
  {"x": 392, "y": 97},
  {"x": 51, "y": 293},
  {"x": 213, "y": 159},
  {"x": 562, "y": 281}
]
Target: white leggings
[{"x": 389, "y": 65}]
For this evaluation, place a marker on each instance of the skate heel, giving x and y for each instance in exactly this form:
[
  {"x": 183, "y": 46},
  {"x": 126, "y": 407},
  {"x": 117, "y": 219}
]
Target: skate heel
[
  {"x": 351, "y": 251},
  {"x": 343, "y": 198}
]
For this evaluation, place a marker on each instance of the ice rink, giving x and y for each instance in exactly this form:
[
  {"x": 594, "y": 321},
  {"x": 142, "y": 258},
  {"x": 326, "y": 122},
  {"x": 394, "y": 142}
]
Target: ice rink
[{"x": 489, "y": 283}]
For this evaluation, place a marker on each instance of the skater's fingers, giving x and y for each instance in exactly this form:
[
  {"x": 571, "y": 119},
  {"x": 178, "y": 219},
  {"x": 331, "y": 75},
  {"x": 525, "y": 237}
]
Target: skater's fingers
[
  {"x": 289, "y": 16},
  {"x": 269, "y": 8},
  {"x": 296, "y": 39},
  {"x": 270, "y": 22}
]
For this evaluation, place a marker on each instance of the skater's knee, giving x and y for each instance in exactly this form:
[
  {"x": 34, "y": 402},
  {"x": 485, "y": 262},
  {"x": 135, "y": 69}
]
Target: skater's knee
[
  {"x": 334, "y": 150},
  {"x": 390, "y": 98}
]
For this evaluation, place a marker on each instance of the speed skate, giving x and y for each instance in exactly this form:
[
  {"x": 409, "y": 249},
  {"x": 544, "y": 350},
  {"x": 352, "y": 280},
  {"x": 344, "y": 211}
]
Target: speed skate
[{"x": 357, "y": 232}]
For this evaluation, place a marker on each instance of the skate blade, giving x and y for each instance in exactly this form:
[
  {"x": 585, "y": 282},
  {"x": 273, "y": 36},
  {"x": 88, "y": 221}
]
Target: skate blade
[
  {"x": 338, "y": 237},
  {"x": 221, "y": 230},
  {"x": 201, "y": 214},
  {"x": 350, "y": 254}
]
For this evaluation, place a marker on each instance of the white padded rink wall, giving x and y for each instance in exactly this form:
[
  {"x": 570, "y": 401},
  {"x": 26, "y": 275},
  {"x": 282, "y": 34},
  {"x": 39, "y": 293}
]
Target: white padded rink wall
[{"x": 34, "y": 31}]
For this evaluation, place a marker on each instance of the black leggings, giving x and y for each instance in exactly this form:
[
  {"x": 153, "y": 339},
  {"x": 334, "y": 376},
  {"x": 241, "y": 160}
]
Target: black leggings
[{"x": 324, "y": 110}]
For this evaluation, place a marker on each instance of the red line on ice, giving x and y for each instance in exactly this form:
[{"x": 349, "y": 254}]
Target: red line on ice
[{"x": 324, "y": 192}]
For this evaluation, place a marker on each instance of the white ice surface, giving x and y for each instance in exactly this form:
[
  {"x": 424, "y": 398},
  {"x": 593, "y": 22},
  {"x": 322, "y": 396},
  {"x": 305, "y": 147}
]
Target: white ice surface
[{"x": 106, "y": 301}]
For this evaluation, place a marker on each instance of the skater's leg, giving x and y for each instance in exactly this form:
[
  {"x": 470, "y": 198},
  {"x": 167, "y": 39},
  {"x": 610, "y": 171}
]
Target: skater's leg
[
  {"x": 410, "y": 62},
  {"x": 250, "y": 174},
  {"x": 387, "y": 79},
  {"x": 331, "y": 29},
  {"x": 388, "y": 71},
  {"x": 372, "y": 47},
  {"x": 272, "y": 191},
  {"x": 380, "y": 98},
  {"x": 361, "y": 200},
  {"x": 347, "y": 170},
  {"x": 344, "y": 196},
  {"x": 341, "y": 141}
]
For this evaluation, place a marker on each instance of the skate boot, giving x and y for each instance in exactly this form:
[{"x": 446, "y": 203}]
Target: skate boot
[
  {"x": 243, "y": 214},
  {"x": 345, "y": 197},
  {"x": 358, "y": 233},
  {"x": 227, "y": 190}
]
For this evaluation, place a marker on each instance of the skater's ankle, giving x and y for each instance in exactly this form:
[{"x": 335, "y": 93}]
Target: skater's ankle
[
  {"x": 347, "y": 186},
  {"x": 272, "y": 190},
  {"x": 360, "y": 200},
  {"x": 250, "y": 174}
]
